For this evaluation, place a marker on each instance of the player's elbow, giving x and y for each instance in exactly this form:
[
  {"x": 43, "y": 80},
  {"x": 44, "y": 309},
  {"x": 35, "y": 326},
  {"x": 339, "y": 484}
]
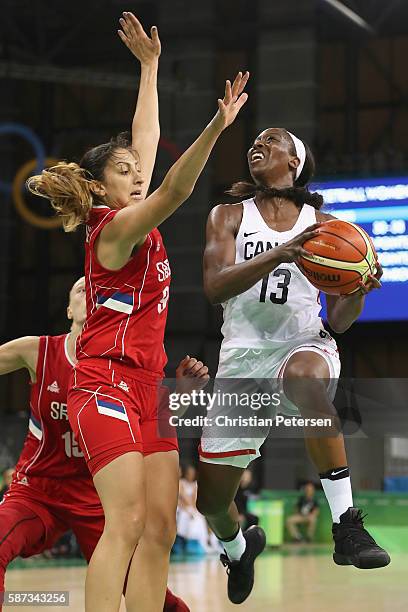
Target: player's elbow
[
  {"x": 213, "y": 293},
  {"x": 336, "y": 325},
  {"x": 212, "y": 297},
  {"x": 175, "y": 190},
  {"x": 142, "y": 136}
]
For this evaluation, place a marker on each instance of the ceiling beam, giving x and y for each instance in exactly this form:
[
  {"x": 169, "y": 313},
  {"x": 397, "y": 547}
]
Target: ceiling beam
[{"x": 346, "y": 12}]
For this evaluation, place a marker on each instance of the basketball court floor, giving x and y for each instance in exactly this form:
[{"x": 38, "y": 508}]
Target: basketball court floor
[{"x": 296, "y": 579}]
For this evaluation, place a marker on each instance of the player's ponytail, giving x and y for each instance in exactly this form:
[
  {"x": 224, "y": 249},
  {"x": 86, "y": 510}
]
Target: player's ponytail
[
  {"x": 298, "y": 195},
  {"x": 242, "y": 189},
  {"x": 68, "y": 187}
]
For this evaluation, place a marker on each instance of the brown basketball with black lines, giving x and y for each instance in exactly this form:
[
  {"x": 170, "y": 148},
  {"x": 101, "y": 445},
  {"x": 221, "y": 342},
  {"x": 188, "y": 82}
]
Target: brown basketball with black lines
[{"x": 342, "y": 256}]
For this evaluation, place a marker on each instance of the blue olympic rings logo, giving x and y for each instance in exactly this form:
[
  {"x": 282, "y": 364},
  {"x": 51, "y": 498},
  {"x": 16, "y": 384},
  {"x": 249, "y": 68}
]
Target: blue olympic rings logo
[
  {"x": 32, "y": 138},
  {"x": 36, "y": 165}
]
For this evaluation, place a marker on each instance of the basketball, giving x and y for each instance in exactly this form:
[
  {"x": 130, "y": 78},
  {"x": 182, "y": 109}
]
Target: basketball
[{"x": 342, "y": 256}]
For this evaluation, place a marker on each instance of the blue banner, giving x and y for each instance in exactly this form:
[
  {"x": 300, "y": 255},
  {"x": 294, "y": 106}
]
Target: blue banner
[{"x": 380, "y": 207}]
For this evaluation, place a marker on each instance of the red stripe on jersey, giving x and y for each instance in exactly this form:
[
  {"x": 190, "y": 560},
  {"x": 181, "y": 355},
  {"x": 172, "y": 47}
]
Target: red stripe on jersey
[
  {"x": 126, "y": 308},
  {"x": 236, "y": 453}
]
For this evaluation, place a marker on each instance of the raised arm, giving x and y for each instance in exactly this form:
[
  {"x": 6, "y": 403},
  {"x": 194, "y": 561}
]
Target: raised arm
[
  {"x": 18, "y": 354},
  {"x": 145, "y": 124},
  {"x": 131, "y": 224},
  {"x": 223, "y": 278}
]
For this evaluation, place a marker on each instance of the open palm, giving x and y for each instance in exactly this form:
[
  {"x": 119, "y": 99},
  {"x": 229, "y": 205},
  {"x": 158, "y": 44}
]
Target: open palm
[
  {"x": 234, "y": 99},
  {"x": 135, "y": 38}
]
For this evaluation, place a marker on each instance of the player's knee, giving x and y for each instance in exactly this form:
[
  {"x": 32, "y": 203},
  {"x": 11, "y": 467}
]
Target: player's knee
[
  {"x": 126, "y": 526},
  {"x": 301, "y": 370},
  {"x": 301, "y": 381},
  {"x": 161, "y": 531}
]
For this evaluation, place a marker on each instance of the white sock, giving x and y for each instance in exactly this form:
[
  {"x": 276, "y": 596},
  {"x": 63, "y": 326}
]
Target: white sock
[
  {"x": 235, "y": 548},
  {"x": 336, "y": 485}
]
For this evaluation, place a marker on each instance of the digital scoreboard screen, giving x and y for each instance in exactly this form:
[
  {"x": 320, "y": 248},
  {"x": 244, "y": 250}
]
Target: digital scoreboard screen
[{"x": 380, "y": 207}]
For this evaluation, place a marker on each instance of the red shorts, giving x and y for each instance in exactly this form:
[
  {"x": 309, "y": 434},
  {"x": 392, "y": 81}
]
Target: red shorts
[
  {"x": 115, "y": 410},
  {"x": 35, "y": 515}
]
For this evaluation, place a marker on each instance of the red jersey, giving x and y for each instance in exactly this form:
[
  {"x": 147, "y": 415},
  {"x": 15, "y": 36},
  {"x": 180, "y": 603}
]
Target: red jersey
[
  {"x": 50, "y": 449},
  {"x": 126, "y": 308}
]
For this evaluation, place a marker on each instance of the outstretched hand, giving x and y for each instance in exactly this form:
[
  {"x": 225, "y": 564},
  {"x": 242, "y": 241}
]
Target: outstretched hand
[
  {"x": 234, "y": 99},
  {"x": 137, "y": 41}
]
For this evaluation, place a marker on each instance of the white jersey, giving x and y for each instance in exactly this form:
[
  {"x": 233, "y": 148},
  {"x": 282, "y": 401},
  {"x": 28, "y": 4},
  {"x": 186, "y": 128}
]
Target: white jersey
[{"x": 283, "y": 307}]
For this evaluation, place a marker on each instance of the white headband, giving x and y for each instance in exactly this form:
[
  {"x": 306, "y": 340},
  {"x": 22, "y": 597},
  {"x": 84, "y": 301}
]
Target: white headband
[{"x": 300, "y": 153}]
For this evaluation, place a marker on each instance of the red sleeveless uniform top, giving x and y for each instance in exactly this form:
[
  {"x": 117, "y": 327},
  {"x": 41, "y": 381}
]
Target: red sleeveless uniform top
[
  {"x": 126, "y": 308},
  {"x": 50, "y": 449}
]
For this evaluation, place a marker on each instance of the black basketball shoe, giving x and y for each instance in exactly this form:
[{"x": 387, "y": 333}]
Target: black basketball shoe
[
  {"x": 241, "y": 573},
  {"x": 353, "y": 545}
]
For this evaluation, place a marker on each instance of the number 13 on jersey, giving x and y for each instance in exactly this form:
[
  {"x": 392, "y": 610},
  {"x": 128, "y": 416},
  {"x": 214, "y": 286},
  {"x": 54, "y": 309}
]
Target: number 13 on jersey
[{"x": 281, "y": 294}]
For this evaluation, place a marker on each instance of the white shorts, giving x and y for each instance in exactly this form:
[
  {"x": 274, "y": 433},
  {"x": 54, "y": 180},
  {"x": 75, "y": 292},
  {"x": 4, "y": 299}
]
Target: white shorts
[{"x": 262, "y": 365}]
